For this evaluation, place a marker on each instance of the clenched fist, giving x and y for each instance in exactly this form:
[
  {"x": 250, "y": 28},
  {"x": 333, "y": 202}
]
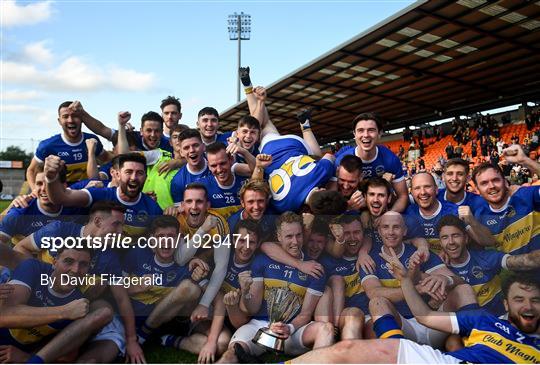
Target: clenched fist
[{"x": 76, "y": 309}]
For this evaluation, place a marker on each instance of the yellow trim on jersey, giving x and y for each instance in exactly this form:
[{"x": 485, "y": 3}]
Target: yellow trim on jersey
[
  {"x": 27, "y": 336},
  {"x": 222, "y": 228},
  {"x": 45, "y": 256},
  {"x": 352, "y": 285},
  {"x": 278, "y": 283},
  {"x": 390, "y": 283},
  {"x": 517, "y": 352},
  {"x": 153, "y": 294},
  {"x": 226, "y": 212},
  {"x": 519, "y": 233},
  {"x": 391, "y": 333},
  {"x": 434, "y": 244},
  {"x": 227, "y": 288},
  {"x": 487, "y": 291},
  {"x": 76, "y": 172}
]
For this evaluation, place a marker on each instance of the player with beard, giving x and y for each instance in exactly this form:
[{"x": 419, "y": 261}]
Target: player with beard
[
  {"x": 481, "y": 268},
  {"x": 422, "y": 217},
  {"x": 512, "y": 219},
  {"x": 377, "y": 160},
  {"x": 140, "y": 208},
  {"x": 455, "y": 177},
  {"x": 347, "y": 182},
  {"x": 490, "y": 340},
  {"x": 171, "y": 112},
  {"x": 34, "y": 213},
  {"x": 208, "y": 126},
  {"x": 70, "y": 145}
]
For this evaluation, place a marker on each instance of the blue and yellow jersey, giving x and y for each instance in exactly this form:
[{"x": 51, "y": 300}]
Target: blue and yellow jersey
[
  {"x": 21, "y": 222},
  {"x": 222, "y": 228},
  {"x": 419, "y": 225},
  {"x": 183, "y": 177},
  {"x": 516, "y": 226},
  {"x": 469, "y": 199},
  {"x": 230, "y": 282},
  {"x": 28, "y": 274},
  {"x": 75, "y": 155},
  {"x": 384, "y": 161},
  {"x": 355, "y": 295},
  {"x": 293, "y": 174},
  {"x": 481, "y": 271},
  {"x": 387, "y": 279},
  {"x": 491, "y": 340},
  {"x": 224, "y": 199},
  {"x": 266, "y": 224},
  {"x": 138, "y": 215},
  {"x": 103, "y": 261},
  {"x": 276, "y": 275},
  {"x": 142, "y": 261},
  {"x": 163, "y": 143}
]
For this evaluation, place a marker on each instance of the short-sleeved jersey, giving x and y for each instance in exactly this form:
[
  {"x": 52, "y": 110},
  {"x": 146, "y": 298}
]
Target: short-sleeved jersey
[
  {"x": 481, "y": 270},
  {"x": 387, "y": 279},
  {"x": 222, "y": 228},
  {"x": 220, "y": 137},
  {"x": 293, "y": 174},
  {"x": 103, "y": 261},
  {"x": 163, "y": 143},
  {"x": 491, "y": 340},
  {"x": 516, "y": 226},
  {"x": 21, "y": 222},
  {"x": 419, "y": 225},
  {"x": 266, "y": 223},
  {"x": 142, "y": 261},
  {"x": 276, "y": 275},
  {"x": 138, "y": 214},
  {"x": 183, "y": 177},
  {"x": 224, "y": 199},
  {"x": 28, "y": 274},
  {"x": 469, "y": 199},
  {"x": 384, "y": 161},
  {"x": 355, "y": 295},
  {"x": 75, "y": 155},
  {"x": 230, "y": 282}
]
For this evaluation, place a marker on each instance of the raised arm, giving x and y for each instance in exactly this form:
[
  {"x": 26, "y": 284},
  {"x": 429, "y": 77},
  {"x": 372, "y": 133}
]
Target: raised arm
[
  {"x": 514, "y": 154},
  {"x": 477, "y": 231},
  {"x": 56, "y": 191},
  {"x": 90, "y": 122},
  {"x": 402, "y": 193},
  {"x": 123, "y": 145},
  {"x": 92, "y": 165}
]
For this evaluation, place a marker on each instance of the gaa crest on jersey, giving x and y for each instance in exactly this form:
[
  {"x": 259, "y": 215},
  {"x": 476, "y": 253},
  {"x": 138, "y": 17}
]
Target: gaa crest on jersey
[
  {"x": 142, "y": 216},
  {"x": 477, "y": 272},
  {"x": 302, "y": 276},
  {"x": 171, "y": 275},
  {"x": 379, "y": 170}
]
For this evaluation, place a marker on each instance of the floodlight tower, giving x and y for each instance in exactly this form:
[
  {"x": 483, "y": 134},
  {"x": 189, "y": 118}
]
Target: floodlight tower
[{"x": 240, "y": 30}]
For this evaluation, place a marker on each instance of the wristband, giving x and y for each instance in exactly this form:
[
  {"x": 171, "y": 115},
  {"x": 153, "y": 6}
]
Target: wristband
[
  {"x": 291, "y": 328},
  {"x": 48, "y": 181}
]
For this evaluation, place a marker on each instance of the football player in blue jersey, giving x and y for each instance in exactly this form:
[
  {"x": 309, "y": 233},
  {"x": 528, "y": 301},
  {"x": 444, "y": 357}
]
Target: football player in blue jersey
[
  {"x": 247, "y": 134},
  {"x": 208, "y": 125},
  {"x": 511, "y": 218},
  {"x": 192, "y": 149},
  {"x": 422, "y": 217},
  {"x": 171, "y": 112},
  {"x": 480, "y": 268},
  {"x": 44, "y": 303},
  {"x": 140, "y": 208},
  {"x": 69, "y": 145},
  {"x": 390, "y": 313},
  {"x": 347, "y": 182},
  {"x": 377, "y": 159},
  {"x": 455, "y": 177},
  {"x": 490, "y": 339},
  {"x": 300, "y": 333}
]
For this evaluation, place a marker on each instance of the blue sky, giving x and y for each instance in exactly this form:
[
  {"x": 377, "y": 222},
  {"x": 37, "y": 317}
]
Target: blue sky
[{"x": 126, "y": 55}]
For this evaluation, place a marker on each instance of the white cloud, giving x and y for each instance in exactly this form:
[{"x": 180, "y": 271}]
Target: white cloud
[
  {"x": 15, "y": 15},
  {"x": 20, "y": 95},
  {"x": 20, "y": 108},
  {"x": 38, "y": 53}
]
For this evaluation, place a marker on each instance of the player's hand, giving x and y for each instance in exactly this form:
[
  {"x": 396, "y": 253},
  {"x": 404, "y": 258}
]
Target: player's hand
[
  {"x": 123, "y": 118},
  {"x": 263, "y": 160},
  {"x": 389, "y": 177},
  {"x": 134, "y": 353},
  {"x": 199, "y": 314},
  {"x": 207, "y": 355},
  {"x": 245, "y": 280},
  {"x": 91, "y": 144},
  {"x": 199, "y": 269},
  {"x": 152, "y": 195},
  {"x": 465, "y": 213},
  {"x": 173, "y": 210},
  {"x": 94, "y": 184},
  {"x": 365, "y": 263},
  {"x": 307, "y": 220},
  {"x": 232, "y": 149},
  {"x": 260, "y": 93},
  {"x": 170, "y": 165},
  {"x": 311, "y": 268},
  {"x": 52, "y": 167},
  {"x": 76, "y": 107},
  {"x": 76, "y": 309},
  {"x": 337, "y": 232},
  {"x": 210, "y": 223},
  {"x": 233, "y": 139},
  {"x": 435, "y": 284},
  {"x": 395, "y": 267},
  {"x": 514, "y": 154},
  {"x": 232, "y": 298},
  {"x": 444, "y": 257},
  {"x": 280, "y": 329},
  {"x": 418, "y": 258},
  {"x": 356, "y": 201},
  {"x": 22, "y": 201}
]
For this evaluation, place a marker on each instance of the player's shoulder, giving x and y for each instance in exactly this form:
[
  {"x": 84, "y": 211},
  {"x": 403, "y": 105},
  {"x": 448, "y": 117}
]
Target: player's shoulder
[
  {"x": 223, "y": 226},
  {"x": 52, "y": 140},
  {"x": 448, "y": 207},
  {"x": 89, "y": 136},
  {"x": 386, "y": 152},
  {"x": 484, "y": 258},
  {"x": 347, "y": 150}
]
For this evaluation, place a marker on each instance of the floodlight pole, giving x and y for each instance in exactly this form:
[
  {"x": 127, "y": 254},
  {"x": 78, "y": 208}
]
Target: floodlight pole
[
  {"x": 239, "y": 31},
  {"x": 239, "y": 56}
]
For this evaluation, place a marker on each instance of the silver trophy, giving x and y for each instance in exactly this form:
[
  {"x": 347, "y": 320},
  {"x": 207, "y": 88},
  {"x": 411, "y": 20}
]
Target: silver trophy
[{"x": 283, "y": 305}]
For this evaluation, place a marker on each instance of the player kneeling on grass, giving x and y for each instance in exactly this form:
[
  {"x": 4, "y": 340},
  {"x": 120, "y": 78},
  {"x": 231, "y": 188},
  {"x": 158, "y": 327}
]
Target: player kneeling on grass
[
  {"x": 45, "y": 314},
  {"x": 166, "y": 290},
  {"x": 267, "y": 275}
]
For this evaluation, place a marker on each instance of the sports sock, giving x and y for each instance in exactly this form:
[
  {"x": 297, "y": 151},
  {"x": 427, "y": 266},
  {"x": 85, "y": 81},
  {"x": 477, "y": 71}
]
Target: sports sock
[{"x": 387, "y": 327}]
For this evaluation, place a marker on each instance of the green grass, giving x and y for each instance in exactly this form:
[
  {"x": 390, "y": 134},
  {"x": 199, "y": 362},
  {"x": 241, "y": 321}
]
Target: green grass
[{"x": 4, "y": 204}]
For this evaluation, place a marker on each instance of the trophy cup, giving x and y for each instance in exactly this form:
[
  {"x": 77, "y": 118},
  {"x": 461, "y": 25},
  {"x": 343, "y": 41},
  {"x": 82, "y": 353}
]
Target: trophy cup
[{"x": 282, "y": 304}]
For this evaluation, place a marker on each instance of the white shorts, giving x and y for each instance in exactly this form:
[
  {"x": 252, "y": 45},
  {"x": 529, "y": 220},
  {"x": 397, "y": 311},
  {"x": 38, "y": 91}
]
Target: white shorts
[
  {"x": 293, "y": 345},
  {"x": 421, "y": 334},
  {"x": 411, "y": 352},
  {"x": 114, "y": 331}
]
